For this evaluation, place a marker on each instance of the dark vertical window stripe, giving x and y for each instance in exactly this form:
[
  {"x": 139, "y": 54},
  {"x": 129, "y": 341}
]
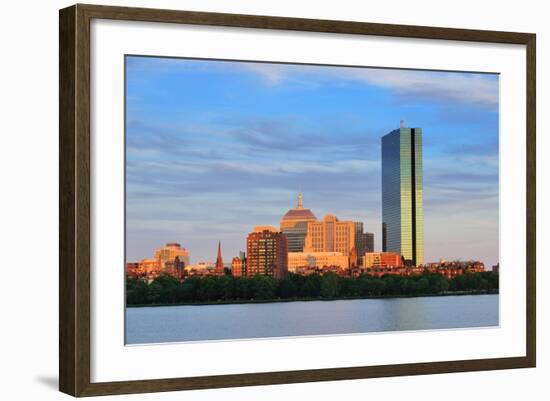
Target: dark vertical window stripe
[{"x": 413, "y": 195}]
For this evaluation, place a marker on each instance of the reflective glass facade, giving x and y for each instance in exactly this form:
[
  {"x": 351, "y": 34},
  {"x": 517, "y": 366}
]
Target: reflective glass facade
[
  {"x": 402, "y": 194},
  {"x": 296, "y": 235}
]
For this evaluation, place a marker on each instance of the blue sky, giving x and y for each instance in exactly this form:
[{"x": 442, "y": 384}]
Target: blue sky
[{"x": 217, "y": 147}]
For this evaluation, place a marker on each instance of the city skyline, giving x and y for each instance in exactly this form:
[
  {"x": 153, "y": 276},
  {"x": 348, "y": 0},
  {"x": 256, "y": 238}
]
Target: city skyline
[{"x": 209, "y": 166}]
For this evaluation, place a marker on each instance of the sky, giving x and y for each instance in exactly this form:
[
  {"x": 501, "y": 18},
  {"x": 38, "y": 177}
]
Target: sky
[{"x": 214, "y": 148}]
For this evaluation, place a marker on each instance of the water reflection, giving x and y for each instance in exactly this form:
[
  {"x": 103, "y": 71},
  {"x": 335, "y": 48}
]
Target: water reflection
[{"x": 220, "y": 322}]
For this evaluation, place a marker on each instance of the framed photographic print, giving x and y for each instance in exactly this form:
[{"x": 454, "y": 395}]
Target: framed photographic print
[{"x": 250, "y": 200}]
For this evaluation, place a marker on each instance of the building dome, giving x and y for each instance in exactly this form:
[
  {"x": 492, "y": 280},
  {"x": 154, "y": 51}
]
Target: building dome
[
  {"x": 299, "y": 213},
  {"x": 294, "y": 225}
]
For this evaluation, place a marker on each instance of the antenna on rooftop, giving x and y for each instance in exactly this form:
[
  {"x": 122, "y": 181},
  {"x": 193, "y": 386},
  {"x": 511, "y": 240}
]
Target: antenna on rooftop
[
  {"x": 402, "y": 124},
  {"x": 300, "y": 201}
]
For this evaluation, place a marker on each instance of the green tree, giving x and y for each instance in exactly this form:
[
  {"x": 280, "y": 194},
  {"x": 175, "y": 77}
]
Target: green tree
[
  {"x": 423, "y": 285},
  {"x": 312, "y": 286},
  {"x": 391, "y": 286},
  {"x": 225, "y": 287},
  {"x": 287, "y": 289},
  {"x": 377, "y": 287},
  {"x": 263, "y": 287},
  {"x": 166, "y": 289},
  {"x": 364, "y": 286},
  {"x": 136, "y": 292},
  {"x": 242, "y": 288},
  {"x": 154, "y": 293},
  {"x": 438, "y": 283},
  {"x": 169, "y": 286},
  {"x": 184, "y": 292},
  {"x": 207, "y": 289},
  {"x": 330, "y": 285}
]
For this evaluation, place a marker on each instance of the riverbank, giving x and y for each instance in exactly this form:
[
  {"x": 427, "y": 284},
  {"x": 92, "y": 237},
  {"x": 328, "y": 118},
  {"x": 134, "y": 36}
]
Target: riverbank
[
  {"x": 310, "y": 299},
  {"x": 215, "y": 290}
]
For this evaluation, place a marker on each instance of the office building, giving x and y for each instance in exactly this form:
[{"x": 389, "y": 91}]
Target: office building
[
  {"x": 316, "y": 259},
  {"x": 364, "y": 242},
  {"x": 382, "y": 259},
  {"x": 175, "y": 268},
  {"x": 331, "y": 235},
  {"x": 169, "y": 252},
  {"x": 402, "y": 194},
  {"x": 237, "y": 267},
  {"x": 266, "y": 250},
  {"x": 294, "y": 225}
]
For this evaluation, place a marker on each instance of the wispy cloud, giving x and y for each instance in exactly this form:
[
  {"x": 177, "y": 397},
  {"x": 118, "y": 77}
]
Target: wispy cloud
[
  {"x": 480, "y": 89},
  {"x": 205, "y": 164},
  {"x": 470, "y": 88}
]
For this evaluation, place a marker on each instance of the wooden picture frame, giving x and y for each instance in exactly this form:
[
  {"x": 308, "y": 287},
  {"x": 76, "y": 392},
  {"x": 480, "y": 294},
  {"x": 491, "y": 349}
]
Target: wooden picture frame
[{"x": 74, "y": 204}]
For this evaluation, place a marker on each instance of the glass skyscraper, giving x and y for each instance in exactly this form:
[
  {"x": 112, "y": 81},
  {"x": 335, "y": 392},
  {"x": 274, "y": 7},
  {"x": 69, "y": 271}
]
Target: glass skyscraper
[{"x": 402, "y": 194}]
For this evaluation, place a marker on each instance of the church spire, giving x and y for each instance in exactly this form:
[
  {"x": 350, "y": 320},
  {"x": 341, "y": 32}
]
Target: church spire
[
  {"x": 219, "y": 261},
  {"x": 300, "y": 201}
]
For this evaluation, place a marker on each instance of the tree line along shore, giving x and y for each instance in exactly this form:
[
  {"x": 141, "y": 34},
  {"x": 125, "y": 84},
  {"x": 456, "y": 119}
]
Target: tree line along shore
[{"x": 167, "y": 290}]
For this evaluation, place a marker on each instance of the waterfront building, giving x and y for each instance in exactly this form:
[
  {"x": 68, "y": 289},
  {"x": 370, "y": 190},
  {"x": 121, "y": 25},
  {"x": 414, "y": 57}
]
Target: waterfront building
[
  {"x": 364, "y": 242},
  {"x": 237, "y": 267},
  {"x": 369, "y": 242},
  {"x": 175, "y": 268},
  {"x": 331, "y": 235},
  {"x": 402, "y": 194},
  {"x": 132, "y": 270},
  {"x": 201, "y": 266},
  {"x": 267, "y": 252},
  {"x": 242, "y": 256},
  {"x": 454, "y": 268},
  {"x": 150, "y": 268},
  {"x": 360, "y": 240},
  {"x": 294, "y": 225},
  {"x": 382, "y": 259},
  {"x": 169, "y": 252},
  {"x": 316, "y": 259}
]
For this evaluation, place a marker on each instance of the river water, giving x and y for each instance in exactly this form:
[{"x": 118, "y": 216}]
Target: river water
[{"x": 239, "y": 321}]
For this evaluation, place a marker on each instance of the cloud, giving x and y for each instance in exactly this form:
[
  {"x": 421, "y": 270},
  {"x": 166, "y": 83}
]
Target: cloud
[
  {"x": 465, "y": 88},
  {"x": 197, "y": 179},
  {"x": 248, "y": 139},
  {"x": 469, "y": 88},
  {"x": 472, "y": 88},
  {"x": 273, "y": 74}
]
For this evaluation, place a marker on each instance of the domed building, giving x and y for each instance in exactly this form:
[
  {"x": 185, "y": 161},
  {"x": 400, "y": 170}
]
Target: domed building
[{"x": 294, "y": 225}]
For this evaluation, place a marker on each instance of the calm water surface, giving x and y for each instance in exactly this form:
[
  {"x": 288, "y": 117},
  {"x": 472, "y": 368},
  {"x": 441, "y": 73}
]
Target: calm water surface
[{"x": 221, "y": 322}]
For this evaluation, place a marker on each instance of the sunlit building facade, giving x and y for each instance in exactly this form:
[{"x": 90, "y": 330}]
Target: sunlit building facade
[
  {"x": 402, "y": 194},
  {"x": 147, "y": 269},
  {"x": 316, "y": 259},
  {"x": 382, "y": 259},
  {"x": 175, "y": 268},
  {"x": 133, "y": 270},
  {"x": 169, "y": 252},
  {"x": 294, "y": 225},
  {"x": 237, "y": 267},
  {"x": 330, "y": 235},
  {"x": 267, "y": 253},
  {"x": 150, "y": 266}
]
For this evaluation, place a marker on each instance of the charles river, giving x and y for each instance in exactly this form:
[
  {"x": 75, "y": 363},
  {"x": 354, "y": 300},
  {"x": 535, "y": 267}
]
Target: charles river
[{"x": 238, "y": 321}]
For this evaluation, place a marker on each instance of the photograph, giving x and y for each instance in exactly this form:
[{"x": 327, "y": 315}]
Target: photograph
[{"x": 268, "y": 199}]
